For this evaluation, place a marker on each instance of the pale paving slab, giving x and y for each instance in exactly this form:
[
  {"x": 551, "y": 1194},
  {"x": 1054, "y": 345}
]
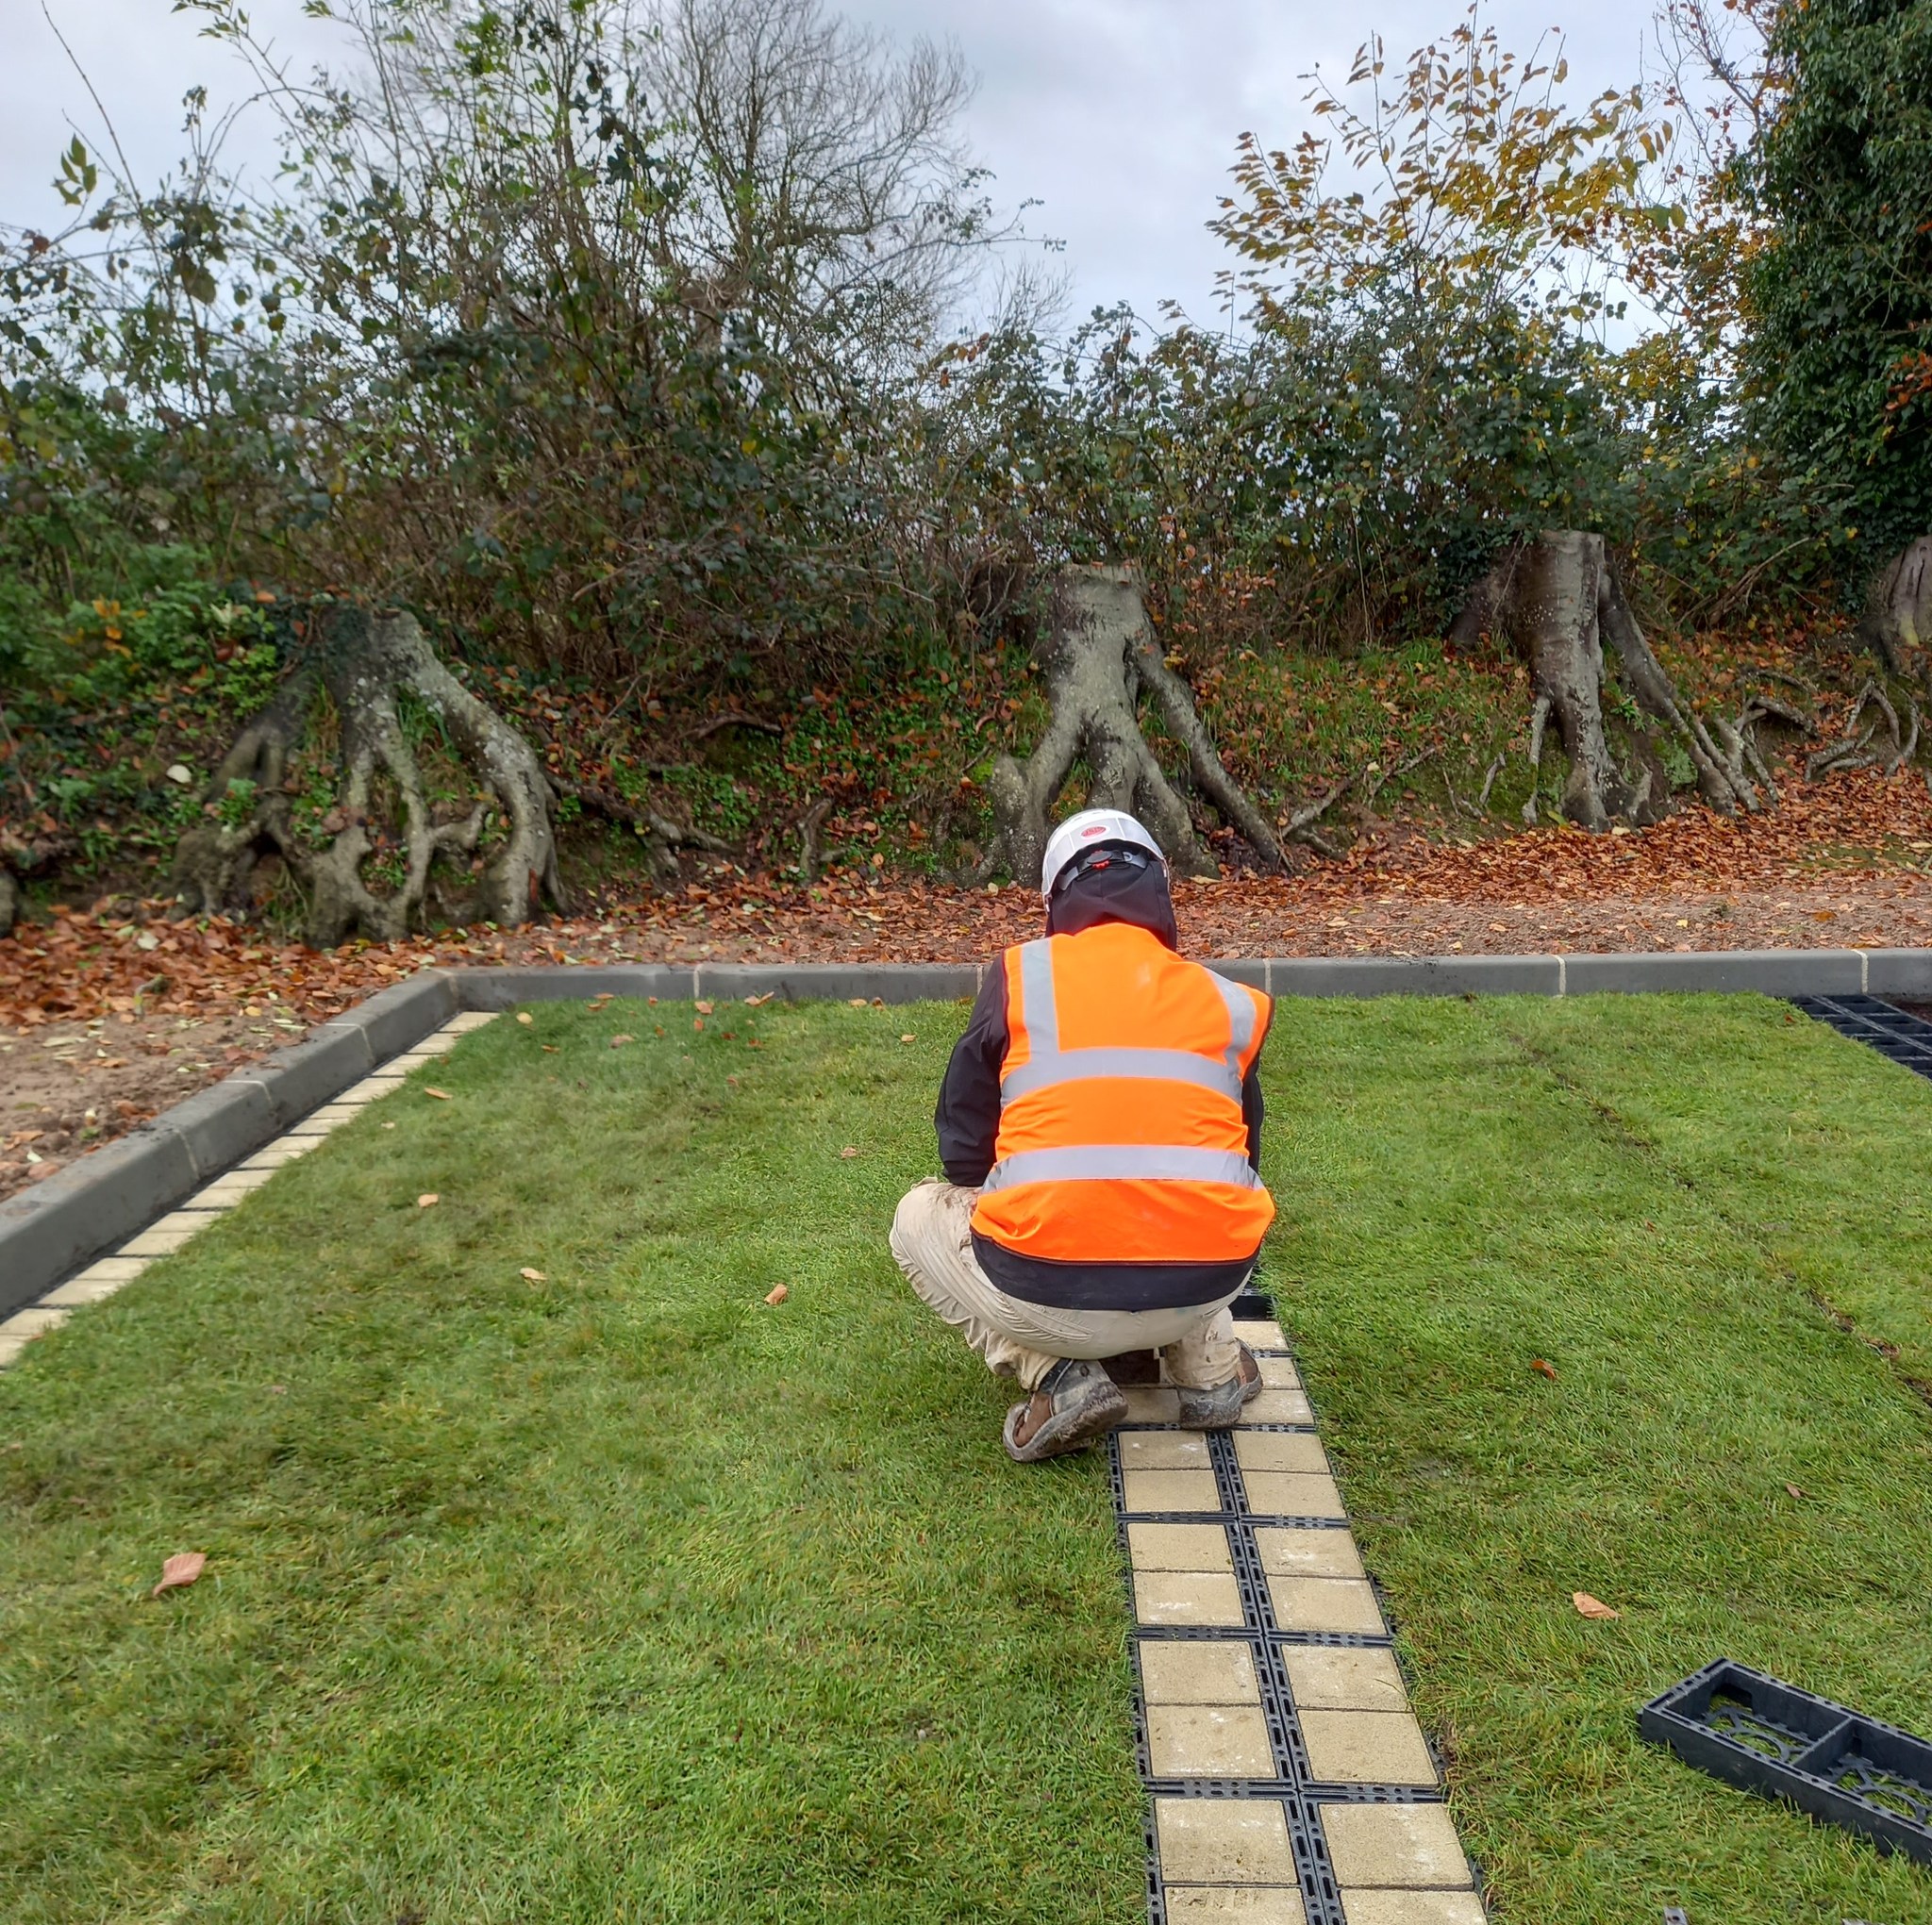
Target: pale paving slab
[
  {"x": 1163, "y": 1450},
  {"x": 1279, "y": 1374},
  {"x": 170, "y": 1234},
  {"x": 1152, "y": 1404},
  {"x": 82, "y": 1289},
  {"x": 376, "y": 1084},
  {"x": 1186, "y": 1670},
  {"x": 1292, "y": 1494},
  {"x": 1332, "y": 1677},
  {"x": 1259, "y": 1335},
  {"x": 10, "y": 1346},
  {"x": 1406, "y": 1847},
  {"x": 283, "y": 1150},
  {"x": 1171, "y": 1491},
  {"x": 1325, "y": 1603},
  {"x": 226, "y": 1191},
  {"x": 1210, "y": 1741},
  {"x": 1296, "y": 1450},
  {"x": 1278, "y": 1406},
  {"x": 1178, "y": 1547},
  {"x": 1289, "y": 1553},
  {"x": 1233, "y": 1904},
  {"x": 1223, "y": 1841},
  {"x": 1367, "y": 1748},
  {"x": 35, "y": 1321},
  {"x": 1186, "y": 1598},
  {"x": 1412, "y": 1908},
  {"x": 465, "y": 1020}
]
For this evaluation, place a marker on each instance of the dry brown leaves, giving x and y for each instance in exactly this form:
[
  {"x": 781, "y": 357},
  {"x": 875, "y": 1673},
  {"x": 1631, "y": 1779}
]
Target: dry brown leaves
[{"x": 179, "y": 1570}]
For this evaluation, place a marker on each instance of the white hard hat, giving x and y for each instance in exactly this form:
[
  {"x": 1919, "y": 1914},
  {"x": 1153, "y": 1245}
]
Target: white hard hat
[{"x": 1084, "y": 831}]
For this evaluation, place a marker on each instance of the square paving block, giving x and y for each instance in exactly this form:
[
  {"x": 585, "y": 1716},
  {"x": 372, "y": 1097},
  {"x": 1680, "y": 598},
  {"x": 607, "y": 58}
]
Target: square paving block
[
  {"x": 1290, "y": 1552},
  {"x": 1209, "y": 1741},
  {"x": 171, "y": 1233},
  {"x": 470, "y": 1018},
  {"x": 388, "y": 1075},
  {"x": 1152, "y": 1404},
  {"x": 1325, "y": 1603},
  {"x": 1292, "y": 1494},
  {"x": 1171, "y": 1490},
  {"x": 377, "y": 1083},
  {"x": 318, "y": 1124},
  {"x": 1279, "y": 1374},
  {"x": 1405, "y": 1846},
  {"x": 10, "y": 1347},
  {"x": 1298, "y": 1450},
  {"x": 1186, "y": 1597},
  {"x": 1233, "y": 1904},
  {"x": 204, "y": 1203},
  {"x": 1329, "y": 1677},
  {"x": 1178, "y": 1547},
  {"x": 283, "y": 1150},
  {"x": 81, "y": 1289},
  {"x": 1278, "y": 1406},
  {"x": 1187, "y": 1670},
  {"x": 35, "y": 1321},
  {"x": 115, "y": 1269},
  {"x": 1367, "y": 1748},
  {"x": 225, "y": 1192},
  {"x": 1258, "y": 1336},
  {"x": 1412, "y": 1908},
  {"x": 1163, "y": 1450},
  {"x": 1223, "y": 1841}
]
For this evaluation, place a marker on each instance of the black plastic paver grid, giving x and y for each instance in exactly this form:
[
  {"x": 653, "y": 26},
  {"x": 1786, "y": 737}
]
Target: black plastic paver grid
[
  {"x": 1293, "y": 1784},
  {"x": 1890, "y": 1030}
]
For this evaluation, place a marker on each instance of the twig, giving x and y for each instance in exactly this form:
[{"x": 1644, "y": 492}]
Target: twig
[
  {"x": 1495, "y": 769},
  {"x": 674, "y": 835},
  {"x": 752, "y": 721}
]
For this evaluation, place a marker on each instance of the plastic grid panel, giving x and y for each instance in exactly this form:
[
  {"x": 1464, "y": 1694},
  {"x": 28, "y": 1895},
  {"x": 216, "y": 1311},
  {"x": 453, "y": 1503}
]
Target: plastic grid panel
[
  {"x": 1294, "y": 1786},
  {"x": 1895, "y": 1033}
]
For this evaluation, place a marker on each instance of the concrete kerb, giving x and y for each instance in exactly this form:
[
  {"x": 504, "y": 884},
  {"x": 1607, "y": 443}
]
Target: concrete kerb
[{"x": 64, "y": 1222}]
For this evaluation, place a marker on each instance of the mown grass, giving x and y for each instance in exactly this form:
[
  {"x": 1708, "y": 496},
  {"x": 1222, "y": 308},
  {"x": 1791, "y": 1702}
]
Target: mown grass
[
  {"x": 1659, "y": 1198},
  {"x": 620, "y": 1596},
  {"x": 624, "y": 1596}
]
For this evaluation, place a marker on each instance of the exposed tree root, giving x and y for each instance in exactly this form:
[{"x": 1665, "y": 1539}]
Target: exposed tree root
[
  {"x": 1897, "y": 624},
  {"x": 662, "y": 837},
  {"x": 1099, "y": 652},
  {"x": 808, "y": 826},
  {"x": 366, "y": 664},
  {"x": 1558, "y": 599}
]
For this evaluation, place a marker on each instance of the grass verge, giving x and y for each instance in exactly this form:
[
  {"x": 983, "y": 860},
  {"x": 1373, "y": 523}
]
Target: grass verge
[
  {"x": 1658, "y": 1197},
  {"x": 618, "y": 1595}
]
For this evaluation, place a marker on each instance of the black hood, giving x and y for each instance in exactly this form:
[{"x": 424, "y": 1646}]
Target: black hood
[{"x": 1116, "y": 894}]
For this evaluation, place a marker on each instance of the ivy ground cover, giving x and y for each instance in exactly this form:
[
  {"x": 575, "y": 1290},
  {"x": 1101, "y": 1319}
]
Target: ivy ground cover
[{"x": 553, "y": 1572}]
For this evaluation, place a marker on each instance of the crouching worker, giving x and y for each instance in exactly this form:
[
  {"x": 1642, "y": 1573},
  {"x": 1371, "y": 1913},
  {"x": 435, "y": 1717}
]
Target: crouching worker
[{"x": 1100, "y": 1128}]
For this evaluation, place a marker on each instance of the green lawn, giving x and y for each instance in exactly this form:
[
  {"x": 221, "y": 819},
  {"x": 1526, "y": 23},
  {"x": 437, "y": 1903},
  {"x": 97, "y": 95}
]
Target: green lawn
[{"x": 624, "y": 1596}]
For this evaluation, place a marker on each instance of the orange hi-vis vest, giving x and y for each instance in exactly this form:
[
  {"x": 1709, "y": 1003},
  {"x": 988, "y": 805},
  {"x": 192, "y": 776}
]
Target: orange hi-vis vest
[{"x": 1121, "y": 1136}]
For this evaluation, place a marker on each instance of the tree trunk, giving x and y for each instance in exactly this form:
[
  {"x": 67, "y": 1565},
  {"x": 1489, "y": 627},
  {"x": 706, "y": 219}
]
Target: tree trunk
[
  {"x": 1898, "y": 617},
  {"x": 366, "y": 664},
  {"x": 1558, "y": 600},
  {"x": 10, "y": 902},
  {"x": 1099, "y": 650}
]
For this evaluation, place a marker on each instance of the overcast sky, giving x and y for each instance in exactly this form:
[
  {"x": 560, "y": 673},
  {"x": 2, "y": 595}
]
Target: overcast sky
[{"x": 1119, "y": 116}]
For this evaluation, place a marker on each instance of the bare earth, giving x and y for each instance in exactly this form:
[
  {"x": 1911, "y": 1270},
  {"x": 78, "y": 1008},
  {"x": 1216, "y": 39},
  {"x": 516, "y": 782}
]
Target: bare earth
[{"x": 109, "y": 1014}]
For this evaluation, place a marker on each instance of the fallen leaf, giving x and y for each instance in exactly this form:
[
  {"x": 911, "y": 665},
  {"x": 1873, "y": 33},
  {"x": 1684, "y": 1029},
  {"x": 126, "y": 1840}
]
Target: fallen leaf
[
  {"x": 753, "y": 1002},
  {"x": 1548, "y": 1368},
  {"x": 1587, "y": 1606},
  {"x": 277, "y": 1389},
  {"x": 697, "y": 1022},
  {"x": 548, "y": 1049},
  {"x": 850, "y": 1150},
  {"x": 440, "y": 1095},
  {"x": 908, "y": 1037},
  {"x": 524, "y": 1016},
  {"x": 1794, "y": 1490},
  {"x": 617, "y": 1042},
  {"x": 429, "y": 1197},
  {"x": 777, "y": 1294},
  {"x": 182, "y": 1568},
  {"x": 702, "y": 1008},
  {"x": 533, "y": 1276},
  {"x": 858, "y": 1003},
  {"x": 388, "y": 1127}
]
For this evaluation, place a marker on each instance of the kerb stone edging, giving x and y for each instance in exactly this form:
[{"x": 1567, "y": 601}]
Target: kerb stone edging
[{"x": 63, "y": 1222}]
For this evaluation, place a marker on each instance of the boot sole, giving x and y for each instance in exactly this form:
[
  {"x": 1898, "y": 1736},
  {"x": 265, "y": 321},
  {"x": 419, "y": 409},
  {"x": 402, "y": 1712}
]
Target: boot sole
[{"x": 1065, "y": 1431}]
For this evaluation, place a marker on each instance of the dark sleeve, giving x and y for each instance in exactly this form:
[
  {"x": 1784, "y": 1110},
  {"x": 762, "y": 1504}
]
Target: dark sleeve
[
  {"x": 967, "y": 1117},
  {"x": 1252, "y": 1105}
]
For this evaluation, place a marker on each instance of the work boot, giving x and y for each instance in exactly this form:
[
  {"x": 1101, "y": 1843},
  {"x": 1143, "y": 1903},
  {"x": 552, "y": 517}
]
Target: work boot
[
  {"x": 1076, "y": 1401},
  {"x": 1217, "y": 1408}
]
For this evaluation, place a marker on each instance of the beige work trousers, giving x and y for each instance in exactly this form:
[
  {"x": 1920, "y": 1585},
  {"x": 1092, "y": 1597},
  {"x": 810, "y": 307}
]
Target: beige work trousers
[{"x": 933, "y": 1242}]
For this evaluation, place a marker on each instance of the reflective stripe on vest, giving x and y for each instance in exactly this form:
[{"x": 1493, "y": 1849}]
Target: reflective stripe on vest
[{"x": 1130, "y": 1146}]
